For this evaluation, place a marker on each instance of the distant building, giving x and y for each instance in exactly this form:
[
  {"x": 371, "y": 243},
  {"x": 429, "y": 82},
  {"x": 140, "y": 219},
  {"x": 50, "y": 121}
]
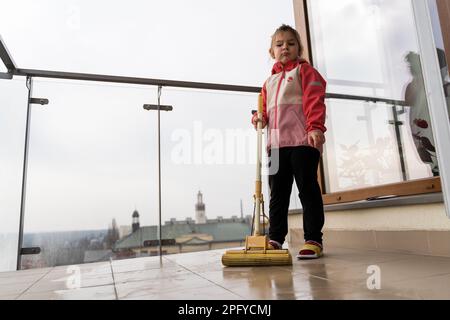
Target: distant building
[
  {"x": 200, "y": 216},
  {"x": 135, "y": 221},
  {"x": 125, "y": 231},
  {"x": 185, "y": 236}
]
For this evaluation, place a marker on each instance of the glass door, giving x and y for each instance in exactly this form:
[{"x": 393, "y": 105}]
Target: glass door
[{"x": 433, "y": 29}]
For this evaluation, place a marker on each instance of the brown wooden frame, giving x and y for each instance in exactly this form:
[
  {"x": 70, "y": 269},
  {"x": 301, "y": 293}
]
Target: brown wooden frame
[
  {"x": 413, "y": 187},
  {"x": 444, "y": 18}
]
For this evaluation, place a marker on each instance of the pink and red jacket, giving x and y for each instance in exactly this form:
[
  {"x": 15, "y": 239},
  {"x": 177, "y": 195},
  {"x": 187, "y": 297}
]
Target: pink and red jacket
[{"x": 293, "y": 104}]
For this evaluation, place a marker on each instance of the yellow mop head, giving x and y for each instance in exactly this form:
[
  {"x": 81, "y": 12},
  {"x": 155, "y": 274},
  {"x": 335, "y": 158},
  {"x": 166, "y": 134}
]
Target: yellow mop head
[
  {"x": 242, "y": 258},
  {"x": 256, "y": 253}
]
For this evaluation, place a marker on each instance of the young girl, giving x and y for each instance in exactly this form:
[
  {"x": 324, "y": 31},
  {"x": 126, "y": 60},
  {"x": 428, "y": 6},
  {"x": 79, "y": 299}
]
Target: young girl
[{"x": 294, "y": 109}]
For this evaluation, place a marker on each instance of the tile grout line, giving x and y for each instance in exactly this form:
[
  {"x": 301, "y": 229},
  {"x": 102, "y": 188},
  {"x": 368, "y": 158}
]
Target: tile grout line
[
  {"x": 406, "y": 253},
  {"x": 423, "y": 277},
  {"x": 114, "y": 280},
  {"x": 428, "y": 243},
  {"x": 24, "y": 291},
  {"x": 206, "y": 279}
]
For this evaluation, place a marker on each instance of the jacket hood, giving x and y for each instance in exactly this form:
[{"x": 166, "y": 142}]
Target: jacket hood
[{"x": 279, "y": 67}]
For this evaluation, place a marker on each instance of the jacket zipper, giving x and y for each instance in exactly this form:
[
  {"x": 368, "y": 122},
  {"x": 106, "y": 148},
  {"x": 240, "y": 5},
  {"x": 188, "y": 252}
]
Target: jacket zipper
[{"x": 276, "y": 98}]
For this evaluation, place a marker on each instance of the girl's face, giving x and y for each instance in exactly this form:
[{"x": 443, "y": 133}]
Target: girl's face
[{"x": 285, "y": 47}]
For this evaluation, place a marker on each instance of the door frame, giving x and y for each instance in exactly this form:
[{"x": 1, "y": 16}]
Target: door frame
[{"x": 434, "y": 87}]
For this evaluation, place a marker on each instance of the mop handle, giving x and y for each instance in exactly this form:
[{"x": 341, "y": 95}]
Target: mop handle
[
  {"x": 258, "y": 182},
  {"x": 259, "y": 147}
]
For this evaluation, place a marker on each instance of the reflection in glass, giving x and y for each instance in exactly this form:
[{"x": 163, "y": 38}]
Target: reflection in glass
[
  {"x": 362, "y": 148},
  {"x": 13, "y": 102},
  {"x": 2, "y": 67},
  {"x": 419, "y": 116}
]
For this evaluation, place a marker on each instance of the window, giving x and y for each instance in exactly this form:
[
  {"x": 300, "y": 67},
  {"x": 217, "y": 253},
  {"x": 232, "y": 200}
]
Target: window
[{"x": 369, "y": 49}]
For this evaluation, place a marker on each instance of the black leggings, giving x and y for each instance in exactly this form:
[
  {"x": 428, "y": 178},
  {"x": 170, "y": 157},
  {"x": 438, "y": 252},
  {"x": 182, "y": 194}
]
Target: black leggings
[{"x": 300, "y": 163}]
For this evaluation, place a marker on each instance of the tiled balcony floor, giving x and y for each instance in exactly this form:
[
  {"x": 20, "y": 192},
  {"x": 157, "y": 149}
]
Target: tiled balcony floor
[{"x": 340, "y": 274}]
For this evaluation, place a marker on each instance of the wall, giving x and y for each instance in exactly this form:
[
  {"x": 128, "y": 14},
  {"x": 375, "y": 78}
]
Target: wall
[
  {"x": 417, "y": 229},
  {"x": 411, "y": 217}
]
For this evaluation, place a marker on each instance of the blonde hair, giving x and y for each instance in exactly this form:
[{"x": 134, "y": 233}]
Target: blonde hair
[{"x": 287, "y": 28}]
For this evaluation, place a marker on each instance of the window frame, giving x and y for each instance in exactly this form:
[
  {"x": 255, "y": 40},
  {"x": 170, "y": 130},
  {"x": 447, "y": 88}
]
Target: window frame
[
  {"x": 5, "y": 56},
  {"x": 7, "y": 61},
  {"x": 443, "y": 7}
]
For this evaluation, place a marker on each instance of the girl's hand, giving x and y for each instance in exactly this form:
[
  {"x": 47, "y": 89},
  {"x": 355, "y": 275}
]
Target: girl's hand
[
  {"x": 316, "y": 138},
  {"x": 255, "y": 122}
]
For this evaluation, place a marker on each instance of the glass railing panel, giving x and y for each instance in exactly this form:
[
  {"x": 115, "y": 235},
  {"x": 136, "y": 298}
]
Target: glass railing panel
[
  {"x": 13, "y": 109},
  {"x": 92, "y": 163},
  {"x": 209, "y": 159}
]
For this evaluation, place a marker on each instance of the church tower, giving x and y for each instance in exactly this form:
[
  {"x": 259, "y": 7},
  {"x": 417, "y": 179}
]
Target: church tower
[
  {"x": 135, "y": 222},
  {"x": 200, "y": 216}
]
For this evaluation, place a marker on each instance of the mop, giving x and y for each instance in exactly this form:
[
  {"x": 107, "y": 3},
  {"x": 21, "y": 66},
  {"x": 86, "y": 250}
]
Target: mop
[{"x": 256, "y": 251}]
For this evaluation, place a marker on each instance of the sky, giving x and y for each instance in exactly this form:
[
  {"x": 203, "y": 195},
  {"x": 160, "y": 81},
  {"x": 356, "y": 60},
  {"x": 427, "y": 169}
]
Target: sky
[{"x": 93, "y": 149}]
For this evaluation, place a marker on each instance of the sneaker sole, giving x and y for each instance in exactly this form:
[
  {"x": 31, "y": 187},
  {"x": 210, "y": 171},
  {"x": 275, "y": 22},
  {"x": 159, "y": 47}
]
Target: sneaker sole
[{"x": 306, "y": 257}]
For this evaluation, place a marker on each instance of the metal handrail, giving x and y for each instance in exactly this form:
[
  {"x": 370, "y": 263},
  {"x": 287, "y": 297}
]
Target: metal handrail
[
  {"x": 134, "y": 80},
  {"x": 363, "y": 98},
  {"x": 6, "y": 57},
  {"x": 178, "y": 84}
]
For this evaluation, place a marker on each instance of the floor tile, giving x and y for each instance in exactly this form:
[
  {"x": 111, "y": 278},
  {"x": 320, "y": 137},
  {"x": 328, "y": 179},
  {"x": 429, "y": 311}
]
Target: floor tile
[
  {"x": 178, "y": 284},
  {"x": 91, "y": 293}
]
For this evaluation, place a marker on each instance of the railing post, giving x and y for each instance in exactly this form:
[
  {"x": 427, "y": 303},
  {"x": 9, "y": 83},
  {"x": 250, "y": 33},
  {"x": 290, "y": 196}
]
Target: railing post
[{"x": 30, "y": 101}]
